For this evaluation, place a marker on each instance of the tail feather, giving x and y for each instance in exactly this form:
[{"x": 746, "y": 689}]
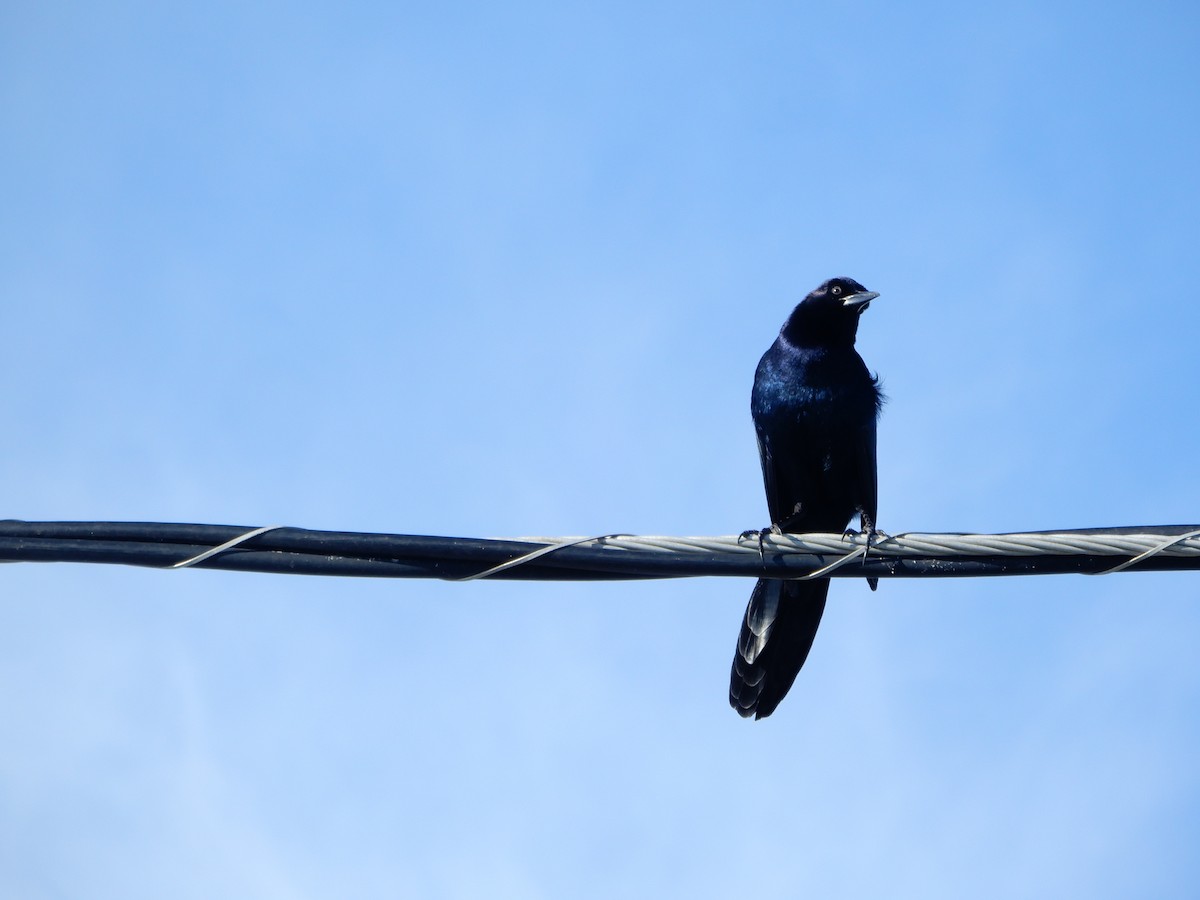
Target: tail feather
[{"x": 777, "y": 633}]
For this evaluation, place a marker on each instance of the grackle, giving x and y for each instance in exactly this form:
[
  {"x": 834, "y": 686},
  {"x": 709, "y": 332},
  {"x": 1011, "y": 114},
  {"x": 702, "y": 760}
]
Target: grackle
[{"x": 814, "y": 405}]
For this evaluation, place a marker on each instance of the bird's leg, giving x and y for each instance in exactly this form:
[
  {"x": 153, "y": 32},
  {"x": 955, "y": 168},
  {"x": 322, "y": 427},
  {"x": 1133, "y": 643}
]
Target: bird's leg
[
  {"x": 867, "y": 530},
  {"x": 786, "y": 524},
  {"x": 868, "y": 527},
  {"x": 871, "y": 533}
]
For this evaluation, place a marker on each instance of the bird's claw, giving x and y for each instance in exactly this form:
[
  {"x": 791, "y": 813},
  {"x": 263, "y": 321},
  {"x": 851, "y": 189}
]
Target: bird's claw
[
  {"x": 760, "y": 534},
  {"x": 873, "y": 536}
]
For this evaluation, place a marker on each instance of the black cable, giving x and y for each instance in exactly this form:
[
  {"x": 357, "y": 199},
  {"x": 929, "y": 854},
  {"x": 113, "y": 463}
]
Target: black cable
[{"x": 306, "y": 552}]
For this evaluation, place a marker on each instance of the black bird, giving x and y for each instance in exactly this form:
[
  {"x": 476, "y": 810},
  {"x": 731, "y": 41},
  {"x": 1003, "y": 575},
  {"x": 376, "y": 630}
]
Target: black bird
[{"x": 814, "y": 405}]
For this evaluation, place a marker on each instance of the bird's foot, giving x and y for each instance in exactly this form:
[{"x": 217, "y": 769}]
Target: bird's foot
[
  {"x": 867, "y": 530},
  {"x": 873, "y": 535},
  {"x": 774, "y": 528},
  {"x": 760, "y": 535}
]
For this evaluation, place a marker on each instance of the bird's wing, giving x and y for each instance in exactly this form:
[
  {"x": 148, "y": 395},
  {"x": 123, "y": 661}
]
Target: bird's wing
[
  {"x": 868, "y": 480},
  {"x": 770, "y": 475},
  {"x": 866, "y": 474},
  {"x": 780, "y": 505}
]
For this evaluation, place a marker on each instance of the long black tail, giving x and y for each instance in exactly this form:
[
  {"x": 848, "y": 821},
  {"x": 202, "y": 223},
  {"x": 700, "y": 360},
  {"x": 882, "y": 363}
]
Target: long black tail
[{"x": 777, "y": 633}]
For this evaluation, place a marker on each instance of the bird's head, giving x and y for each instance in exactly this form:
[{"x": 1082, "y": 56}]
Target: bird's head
[{"x": 829, "y": 314}]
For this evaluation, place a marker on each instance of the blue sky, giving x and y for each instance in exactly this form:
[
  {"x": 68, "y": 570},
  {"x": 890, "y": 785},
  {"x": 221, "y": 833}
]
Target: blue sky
[{"x": 502, "y": 270}]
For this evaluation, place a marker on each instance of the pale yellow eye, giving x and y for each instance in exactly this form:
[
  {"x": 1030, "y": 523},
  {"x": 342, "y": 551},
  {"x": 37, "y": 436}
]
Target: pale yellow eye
[{"x": 835, "y": 290}]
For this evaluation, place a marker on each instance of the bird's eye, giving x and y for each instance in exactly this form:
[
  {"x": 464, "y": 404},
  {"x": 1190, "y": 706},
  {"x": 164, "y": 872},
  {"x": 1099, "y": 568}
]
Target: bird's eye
[{"x": 836, "y": 290}]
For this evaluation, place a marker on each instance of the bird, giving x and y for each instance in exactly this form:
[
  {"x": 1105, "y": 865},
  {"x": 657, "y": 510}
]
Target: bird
[{"x": 815, "y": 406}]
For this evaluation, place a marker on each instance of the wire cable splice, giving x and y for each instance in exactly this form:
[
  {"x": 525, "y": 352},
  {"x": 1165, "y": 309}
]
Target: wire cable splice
[
  {"x": 228, "y": 545},
  {"x": 1171, "y": 542},
  {"x": 530, "y": 557}
]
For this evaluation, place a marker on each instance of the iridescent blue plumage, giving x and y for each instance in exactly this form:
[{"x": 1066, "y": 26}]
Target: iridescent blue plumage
[{"x": 814, "y": 405}]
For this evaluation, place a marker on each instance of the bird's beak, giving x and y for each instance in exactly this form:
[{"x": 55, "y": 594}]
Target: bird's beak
[{"x": 855, "y": 301}]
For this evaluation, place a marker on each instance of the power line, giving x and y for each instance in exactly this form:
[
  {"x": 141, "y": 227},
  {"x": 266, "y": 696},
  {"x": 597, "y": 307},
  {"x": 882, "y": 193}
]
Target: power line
[{"x": 300, "y": 551}]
